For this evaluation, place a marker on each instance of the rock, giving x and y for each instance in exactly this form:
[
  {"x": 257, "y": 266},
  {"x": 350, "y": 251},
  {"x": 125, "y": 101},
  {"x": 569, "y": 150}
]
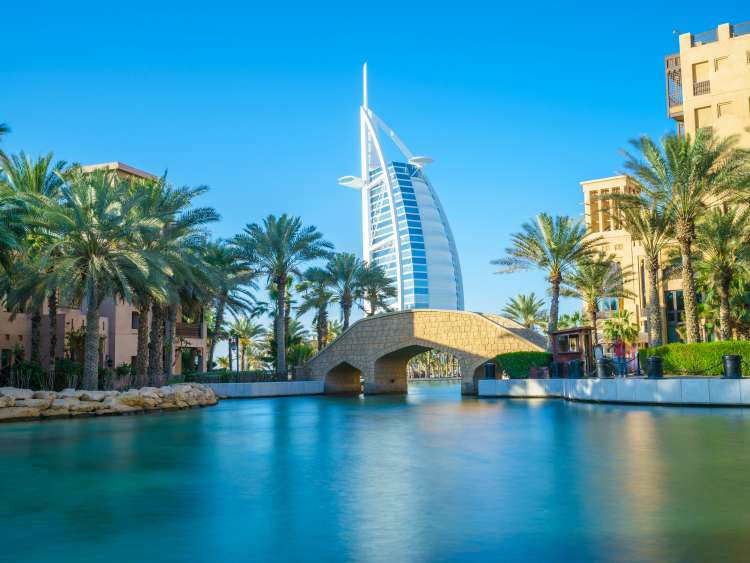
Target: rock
[
  {"x": 55, "y": 413},
  {"x": 71, "y": 393},
  {"x": 17, "y": 413},
  {"x": 6, "y": 402},
  {"x": 45, "y": 395},
  {"x": 75, "y": 406},
  {"x": 97, "y": 396},
  {"x": 15, "y": 393},
  {"x": 35, "y": 403},
  {"x": 131, "y": 398}
]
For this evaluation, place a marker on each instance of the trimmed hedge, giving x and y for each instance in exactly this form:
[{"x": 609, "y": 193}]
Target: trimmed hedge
[
  {"x": 701, "y": 358},
  {"x": 518, "y": 364}
]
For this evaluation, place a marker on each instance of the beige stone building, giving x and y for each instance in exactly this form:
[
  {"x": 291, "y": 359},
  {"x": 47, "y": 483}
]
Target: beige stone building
[
  {"x": 119, "y": 323},
  {"x": 707, "y": 85}
]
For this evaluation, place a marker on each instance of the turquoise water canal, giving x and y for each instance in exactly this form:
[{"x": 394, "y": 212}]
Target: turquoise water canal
[{"x": 424, "y": 477}]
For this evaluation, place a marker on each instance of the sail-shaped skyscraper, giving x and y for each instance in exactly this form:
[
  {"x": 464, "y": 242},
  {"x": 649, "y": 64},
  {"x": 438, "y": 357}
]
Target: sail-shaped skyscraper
[{"x": 404, "y": 227}]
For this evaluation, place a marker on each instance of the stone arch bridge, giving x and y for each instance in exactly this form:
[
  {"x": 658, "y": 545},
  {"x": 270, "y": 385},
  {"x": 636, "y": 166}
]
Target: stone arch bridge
[{"x": 376, "y": 349}]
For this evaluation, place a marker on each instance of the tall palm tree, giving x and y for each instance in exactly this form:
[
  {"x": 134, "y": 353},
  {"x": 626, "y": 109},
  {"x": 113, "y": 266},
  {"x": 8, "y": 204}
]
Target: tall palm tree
[
  {"x": 723, "y": 242},
  {"x": 178, "y": 243},
  {"x": 95, "y": 248},
  {"x": 650, "y": 224},
  {"x": 528, "y": 310},
  {"x": 38, "y": 182},
  {"x": 233, "y": 279},
  {"x": 344, "y": 273},
  {"x": 375, "y": 288},
  {"x": 278, "y": 248},
  {"x": 552, "y": 244},
  {"x": 687, "y": 175},
  {"x": 593, "y": 279},
  {"x": 316, "y": 296}
]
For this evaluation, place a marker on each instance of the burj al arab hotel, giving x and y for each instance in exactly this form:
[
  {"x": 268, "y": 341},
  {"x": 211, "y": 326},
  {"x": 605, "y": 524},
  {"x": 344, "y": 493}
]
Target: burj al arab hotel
[{"x": 404, "y": 226}]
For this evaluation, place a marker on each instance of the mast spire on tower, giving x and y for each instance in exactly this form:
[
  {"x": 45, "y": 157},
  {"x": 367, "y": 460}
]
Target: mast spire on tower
[{"x": 364, "y": 85}]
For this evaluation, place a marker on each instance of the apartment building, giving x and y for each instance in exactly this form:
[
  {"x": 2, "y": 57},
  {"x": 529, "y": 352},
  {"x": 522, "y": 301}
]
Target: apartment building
[
  {"x": 707, "y": 85},
  {"x": 119, "y": 322}
]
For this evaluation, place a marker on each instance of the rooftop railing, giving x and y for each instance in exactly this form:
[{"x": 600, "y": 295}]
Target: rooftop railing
[
  {"x": 740, "y": 29},
  {"x": 709, "y": 36}
]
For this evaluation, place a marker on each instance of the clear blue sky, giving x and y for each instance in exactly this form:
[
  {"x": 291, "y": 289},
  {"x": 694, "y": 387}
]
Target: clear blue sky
[{"x": 517, "y": 102}]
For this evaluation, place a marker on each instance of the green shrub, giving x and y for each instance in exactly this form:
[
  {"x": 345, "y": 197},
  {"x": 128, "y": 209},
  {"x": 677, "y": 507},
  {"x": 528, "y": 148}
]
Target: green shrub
[
  {"x": 518, "y": 364},
  {"x": 701, "y": 358}
]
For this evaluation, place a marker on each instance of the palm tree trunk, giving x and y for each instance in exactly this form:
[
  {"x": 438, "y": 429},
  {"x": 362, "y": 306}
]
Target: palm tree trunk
[
  {"x": 141, "y": 355},
  {"x": 36, "y": 334},
  {"x": 591, "y": 312},
  {"x": 156, "y": 345},
  {"x": 692, "y": 329},
  {"x": 52, "y": 315},
  {"x": 653, "y": 310},
  {"x": 554, "y": 305},
  {"x": 281, "y": 326},
  {"x": 322, "y": 328},
  {"x": 170, "y": 326},
  {"x": 91, "y": 341},
  {"x": 218, "y": 321},
  {"x": 346, "y": 308},
  {"x": 725, "y": 316}
]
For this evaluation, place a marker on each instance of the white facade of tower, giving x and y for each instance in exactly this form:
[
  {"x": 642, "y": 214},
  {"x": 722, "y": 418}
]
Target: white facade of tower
[{"x": 404, "y": 226}]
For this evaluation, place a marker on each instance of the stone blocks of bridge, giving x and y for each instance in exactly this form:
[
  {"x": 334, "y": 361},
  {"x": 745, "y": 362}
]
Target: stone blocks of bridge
[{"x": 377, "y": 349}]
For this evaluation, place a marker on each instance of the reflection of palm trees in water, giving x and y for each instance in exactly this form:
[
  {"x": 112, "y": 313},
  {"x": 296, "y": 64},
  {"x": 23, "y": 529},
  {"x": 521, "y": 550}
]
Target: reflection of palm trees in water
[{"x": 432, "y": 364}]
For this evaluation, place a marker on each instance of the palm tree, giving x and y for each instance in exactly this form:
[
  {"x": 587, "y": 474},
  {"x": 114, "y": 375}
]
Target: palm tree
[
  {"x": 687, "y": 175},
  {"x": 334, "y": 330},
  {"x": 344, "y": 272},
  {"x": 95, "y": 249},
  {"x": 248, "y": 333},
  {"x": 593, "y": 279},
  {"x": 650, "y": 224},
  {"x": 375, "y": 288},
  {"x": 552, "y": 244},
  {"x": 527, "y": 310},
  {"x": 316, "y": 296},
  {"x": 179, "y": 244},
  {"x": 722, "y": 239},
  {"x": 232, "y": 278},
  {"x": 38, "y": 182},
  {"x": 620, "y": 327},
  {"x": 278, "y": 248},
  {"x": 570, "y": 320}
]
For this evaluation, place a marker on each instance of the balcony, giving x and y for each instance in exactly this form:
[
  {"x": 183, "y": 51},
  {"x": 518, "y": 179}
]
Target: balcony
[
  {"x": 701, "y": 88},
  {"x": 189, "y": 330},
  {"x": 673, "y": 72}
]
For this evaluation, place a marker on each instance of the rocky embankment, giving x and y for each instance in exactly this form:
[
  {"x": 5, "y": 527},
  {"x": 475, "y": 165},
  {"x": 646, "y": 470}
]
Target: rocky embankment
[{"x": 25, "y": 404}]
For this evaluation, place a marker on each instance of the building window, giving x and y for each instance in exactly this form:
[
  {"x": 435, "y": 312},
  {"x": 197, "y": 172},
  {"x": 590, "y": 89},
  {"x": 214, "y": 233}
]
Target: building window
[
  {"x": 703, "y": 117},
  {"x": 135, "y": 317},
  {"x": 720, "y": 63},
  {"x": 724, "y": 109},
  {"x": 593, "y": 212},
  {"x": 609, "y": 304}
]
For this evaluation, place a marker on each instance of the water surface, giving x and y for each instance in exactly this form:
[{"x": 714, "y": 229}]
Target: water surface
[{"x": 424, "y": 477}]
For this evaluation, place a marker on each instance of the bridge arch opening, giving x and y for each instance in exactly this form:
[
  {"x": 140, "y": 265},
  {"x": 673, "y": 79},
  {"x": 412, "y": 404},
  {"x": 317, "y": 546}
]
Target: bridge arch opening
[
  {"x": 344, "y": 379},
  {"x": 392, "y": 371}
]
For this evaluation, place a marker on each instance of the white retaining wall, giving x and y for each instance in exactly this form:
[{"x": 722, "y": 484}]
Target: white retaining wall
[
  {"x": 267, "y": 389},
  {"x": 711, "y": 391}
]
